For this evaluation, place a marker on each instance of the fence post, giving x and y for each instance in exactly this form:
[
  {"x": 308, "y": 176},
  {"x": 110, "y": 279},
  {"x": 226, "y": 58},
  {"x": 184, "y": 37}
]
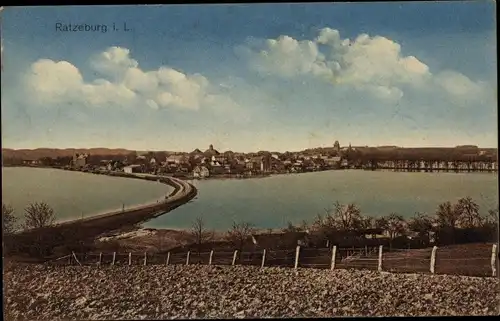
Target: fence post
[
  {"x": 334, "y": 254},
  {"x": 100, "y": 259},
  {"x": 263, "y": 258},
  {"x": 297, "y": 252},
  {"x": 210, "y": 259},
  {"x": 114, "y": 258},
  {"x": 145, "y": 258},
  {"x": 493, "y": 260},
  {"x": 234, "y": 256},
  {"x": 380, "y": 258},
  {"x": 187, "y": 257},
  {"x": 433, "y": 259},
  {"x": 129, "y": 258},
  {"x": 168, "y": 258}
]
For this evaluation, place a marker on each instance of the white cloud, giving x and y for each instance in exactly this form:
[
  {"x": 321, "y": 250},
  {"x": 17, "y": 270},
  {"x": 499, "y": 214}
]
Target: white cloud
[
  {"x": 374, "y": 64},
  {"x": 114, "y": 62},
  {"x": 128, "y": 85},
  {"x": 459, "y": 85}
]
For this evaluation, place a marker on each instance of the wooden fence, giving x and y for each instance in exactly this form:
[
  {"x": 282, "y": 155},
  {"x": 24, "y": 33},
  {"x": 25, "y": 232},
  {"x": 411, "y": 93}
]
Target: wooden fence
[{"x": 445, "y": 261}]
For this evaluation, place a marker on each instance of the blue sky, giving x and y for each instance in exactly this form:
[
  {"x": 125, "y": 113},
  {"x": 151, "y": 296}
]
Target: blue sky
[{"x": 251, "y": 77}]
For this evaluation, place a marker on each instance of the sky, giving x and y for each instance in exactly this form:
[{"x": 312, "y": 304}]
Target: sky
[{"x": 250, "y": 77}]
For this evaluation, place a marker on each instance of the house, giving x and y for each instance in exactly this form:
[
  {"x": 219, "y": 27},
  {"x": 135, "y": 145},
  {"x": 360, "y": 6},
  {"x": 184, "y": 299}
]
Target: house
[
  {"x": 176, "y": 159},
  {"x": 332, "y": 161},
  {"x": 287, "y": 240},
  {"x": 79, "y": 160},
  {"x": 30, "y": 162},
  {"x": 201, "y": 172},
  {"x": 219, "y": 158},
  {"x": 132, "y": 169}
]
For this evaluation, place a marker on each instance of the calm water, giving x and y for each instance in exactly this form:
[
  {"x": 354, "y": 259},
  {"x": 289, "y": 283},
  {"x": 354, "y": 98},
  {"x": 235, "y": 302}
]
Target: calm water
[
  {"x": 265, "y": 202},
  {"x": 72, "y": 193},
  {"x": 271, "y": 202}
]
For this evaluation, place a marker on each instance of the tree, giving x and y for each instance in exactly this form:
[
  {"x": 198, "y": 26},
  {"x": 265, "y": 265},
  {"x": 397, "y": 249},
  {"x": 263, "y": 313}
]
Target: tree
[
  {"x": 290, "y": 227},
  {"x": 239, "y": 233},
  {"x": 8, "y": 219},
  {"x": 367, "y": 222},
  {"x": 347, "y": 218},
  {"x": 199, "y": 233},
  {"x": 492, "y": 217},
  {"x": 469, "y": 213},
  {"x": 38, "y": 215},
  {"x": 381, "y": 223},
  {"x": 304, "y": 226},
  {"x": 447, "y": 217},
  {"x": 396, "y": 226},
  {"x": 421, "y": 224}
]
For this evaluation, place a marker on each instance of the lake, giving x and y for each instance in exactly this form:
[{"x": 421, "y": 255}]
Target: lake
[
  {"x": 266, "y": 202},
  {"x": 273, "y": 201},
  {"x": 72, "y": 194}
]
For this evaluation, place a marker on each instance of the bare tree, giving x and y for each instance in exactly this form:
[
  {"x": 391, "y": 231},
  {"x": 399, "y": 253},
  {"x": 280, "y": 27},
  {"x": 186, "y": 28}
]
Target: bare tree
[
  {"x": 239, "y": 233},
  {"x": 422, "y": 225},
  {"x": 447, "y": 217},
  {"x": 381, "y": 223},
  {"x": 38, "y": 215},
  {"x": 396, "y": 226},
  {"x": 8, "y": 220},
  {"x": 304, "y": 226},
  {"x": 347, "y": 218},
  {"x": 492, "y": 217},
  {"x": 469, "y": 213},
  {"x": 289, "y": 228},
  {"x": 200, "y": 233}
]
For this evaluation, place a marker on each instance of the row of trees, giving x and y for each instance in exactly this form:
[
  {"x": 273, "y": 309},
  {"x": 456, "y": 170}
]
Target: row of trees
[
  {"x": 451, "y": 223},
  {"x": 446, "y": 223}
]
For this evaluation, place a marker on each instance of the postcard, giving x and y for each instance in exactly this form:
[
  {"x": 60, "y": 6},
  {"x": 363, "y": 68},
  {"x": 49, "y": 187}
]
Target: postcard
[{"x": 249, "y": 160}]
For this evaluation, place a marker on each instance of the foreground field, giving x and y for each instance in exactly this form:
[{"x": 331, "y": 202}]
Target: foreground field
[{"x": 35, "y": 292}]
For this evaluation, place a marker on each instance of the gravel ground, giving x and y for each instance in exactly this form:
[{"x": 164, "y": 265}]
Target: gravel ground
[{"x": 36, "y": 292}]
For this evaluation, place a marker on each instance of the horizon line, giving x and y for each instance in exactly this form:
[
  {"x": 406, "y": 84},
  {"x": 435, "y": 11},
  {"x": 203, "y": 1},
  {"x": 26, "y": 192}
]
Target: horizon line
[{"x": 269, "y": 150}]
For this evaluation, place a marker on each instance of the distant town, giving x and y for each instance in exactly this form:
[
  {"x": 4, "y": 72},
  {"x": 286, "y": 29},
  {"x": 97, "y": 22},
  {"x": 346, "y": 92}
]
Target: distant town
[{"x": 212, "y": 164}]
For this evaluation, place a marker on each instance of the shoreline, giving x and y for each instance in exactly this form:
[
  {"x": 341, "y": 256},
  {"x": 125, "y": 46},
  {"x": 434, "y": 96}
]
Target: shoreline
[
  {"x": 183, "y": 191},
  {"x": 94, "y": 227}
]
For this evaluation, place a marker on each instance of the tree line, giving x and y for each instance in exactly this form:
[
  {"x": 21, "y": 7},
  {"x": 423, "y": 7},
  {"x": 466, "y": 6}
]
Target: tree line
[{"x": 451, "y": 223}]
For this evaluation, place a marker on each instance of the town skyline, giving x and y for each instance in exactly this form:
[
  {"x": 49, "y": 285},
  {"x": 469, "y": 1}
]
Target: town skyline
[{"x": 403, "y": 74}]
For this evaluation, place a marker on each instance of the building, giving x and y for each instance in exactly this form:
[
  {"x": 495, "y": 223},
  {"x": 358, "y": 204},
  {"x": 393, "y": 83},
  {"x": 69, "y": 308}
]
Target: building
[
  {"x": 201, "y": 172},
  {"x": 176, "y": 159},
  {"x": 219, "y": 158},
  {"x": 211, "y": 151},
  {"x": 132, "y": 169},
  {"x": 336, "y": 146},
  {"x": 79, "y": 160},
  {"x": 30, "y": 162},
  {"x": 286, "y": 240}
]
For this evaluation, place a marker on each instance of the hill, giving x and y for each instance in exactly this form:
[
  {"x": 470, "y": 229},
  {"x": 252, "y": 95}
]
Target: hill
[{"x": 54, "y": 152}]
